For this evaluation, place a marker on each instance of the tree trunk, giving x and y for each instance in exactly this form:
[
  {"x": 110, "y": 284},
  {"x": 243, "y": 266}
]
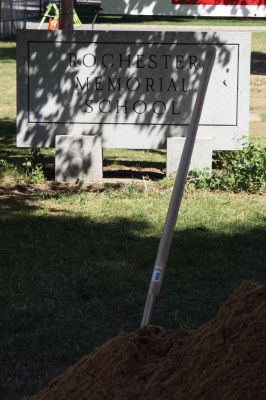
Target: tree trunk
[{"x": 66, "y": 20}]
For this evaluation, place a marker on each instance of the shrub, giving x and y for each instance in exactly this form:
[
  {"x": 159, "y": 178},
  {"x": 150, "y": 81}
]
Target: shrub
[
  {"x": 33, "y": 173},
  {"x": 241, "y": 170}
]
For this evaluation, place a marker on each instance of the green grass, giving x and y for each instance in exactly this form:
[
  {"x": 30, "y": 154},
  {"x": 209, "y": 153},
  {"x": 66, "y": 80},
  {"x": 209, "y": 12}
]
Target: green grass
[
  {"x": 75, "y": 270},
  {"x": 8, "y": 80},
  {"x": 258, "y": 41}
]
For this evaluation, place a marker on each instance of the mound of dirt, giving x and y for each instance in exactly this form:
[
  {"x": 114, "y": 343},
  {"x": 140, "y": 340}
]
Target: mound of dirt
[{"x": 224, "y": 359}]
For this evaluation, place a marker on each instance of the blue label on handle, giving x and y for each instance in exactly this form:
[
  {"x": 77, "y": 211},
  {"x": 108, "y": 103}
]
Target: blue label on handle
[{"x": 157, "y": 275}]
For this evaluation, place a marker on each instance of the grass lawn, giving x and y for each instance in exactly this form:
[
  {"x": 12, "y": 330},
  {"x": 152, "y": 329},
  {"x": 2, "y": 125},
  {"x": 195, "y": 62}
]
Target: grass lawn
[
  {"x": 75, "y": 269},
  {"x": 75, "y": 262}
]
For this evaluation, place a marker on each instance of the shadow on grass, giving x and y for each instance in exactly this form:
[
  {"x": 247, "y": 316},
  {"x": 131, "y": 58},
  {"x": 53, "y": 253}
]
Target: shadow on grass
[
  {"x": 138, "y": 163},
  {"x": 119, "y": 165},
  {"x": 7, "y": 132},
  {"x": 68, "y": 283},
  {"x": 135, "y": 173},
  {"x": 8, "y": 139},
  {"x": 258, "y": 63},
  {"x": 8, "y": 53}
]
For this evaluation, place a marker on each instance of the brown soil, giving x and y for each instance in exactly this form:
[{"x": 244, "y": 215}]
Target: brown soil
[{"x": 224, "y": 359}]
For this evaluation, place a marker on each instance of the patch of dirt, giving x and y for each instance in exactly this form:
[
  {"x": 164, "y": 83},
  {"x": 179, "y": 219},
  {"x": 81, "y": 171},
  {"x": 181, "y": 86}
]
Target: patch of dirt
[
  {"x": 225, "y": 359},
  {"x": 51, "y": 188},
  {"x": 112, "y": 178}
]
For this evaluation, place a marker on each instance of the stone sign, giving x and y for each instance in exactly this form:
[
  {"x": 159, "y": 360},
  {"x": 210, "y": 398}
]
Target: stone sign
[{"x": 134, "y": 88}]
